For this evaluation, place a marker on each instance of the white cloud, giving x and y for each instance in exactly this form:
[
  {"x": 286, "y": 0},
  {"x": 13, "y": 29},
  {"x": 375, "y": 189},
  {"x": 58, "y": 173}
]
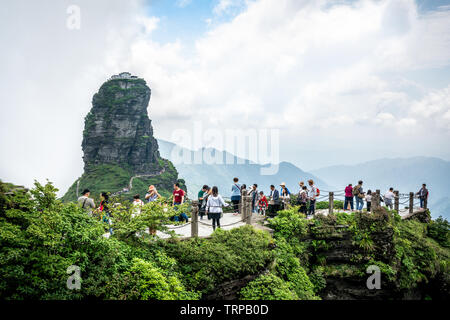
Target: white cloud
[
  {"x": 183, "y": 3},
  {"x": 434, "y": 110},
  {"x": 224, "y": 6},
  {"x": 319, "y": 70}
]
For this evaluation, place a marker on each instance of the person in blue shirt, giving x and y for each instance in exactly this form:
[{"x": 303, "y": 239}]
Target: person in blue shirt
[
  {"x": 274, "y": 202},
  {"x": 235, "y": 195}
]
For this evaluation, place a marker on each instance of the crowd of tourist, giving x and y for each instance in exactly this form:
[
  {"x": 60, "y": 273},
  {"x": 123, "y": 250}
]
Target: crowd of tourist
[
  {"x": 211, "y": 203},
  {"x": 356, "y": 194}
]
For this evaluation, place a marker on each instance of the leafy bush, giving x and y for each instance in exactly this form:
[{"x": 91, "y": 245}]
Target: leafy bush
[
  {"x": 317, "y": 278},
  {"x": 40, "y": 237},
  {"x": 154, "y": 215},
  {"x": 439, "y": 230},
  {"x": 268, "y": 287},
  {"x": 338, "y": 204},
  {"x": 288, "y": 268},
  {"x": 289, "y": 224},
  {"x": 420, "y": 257},
  {"x": 145, "y": 281},
  {"x": 228, "y": 255}
]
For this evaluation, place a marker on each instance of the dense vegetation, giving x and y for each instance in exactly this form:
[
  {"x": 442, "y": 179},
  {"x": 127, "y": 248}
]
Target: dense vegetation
[
  {"x": 40, "y": 237},
  {"x": 412, "y": 255}
]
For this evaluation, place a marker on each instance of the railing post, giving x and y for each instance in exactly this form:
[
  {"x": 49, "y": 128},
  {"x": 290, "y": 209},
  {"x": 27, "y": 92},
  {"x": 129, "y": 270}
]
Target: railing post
[
  {"x": 194, "y": 219},
  {"x": 411, "y": 202},
  {"x": 241, "y": 202},
  {"x": 331, "y": 202},
  {"x": 248, "y": 210},
  {"x": 396, "y": 202},
  {"x": 376, "y": 203}
]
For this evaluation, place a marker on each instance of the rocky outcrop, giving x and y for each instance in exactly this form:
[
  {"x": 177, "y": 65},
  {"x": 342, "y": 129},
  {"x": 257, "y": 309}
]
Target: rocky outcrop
[
  {"x": 118, "y": 129},
  {"x": 118, "y": 143}
]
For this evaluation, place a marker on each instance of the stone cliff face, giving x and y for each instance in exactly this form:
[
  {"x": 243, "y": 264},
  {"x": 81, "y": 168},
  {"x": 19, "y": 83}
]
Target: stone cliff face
[
  {"x": 118, "y": 130},
  {"x": 118, "y": 143}
]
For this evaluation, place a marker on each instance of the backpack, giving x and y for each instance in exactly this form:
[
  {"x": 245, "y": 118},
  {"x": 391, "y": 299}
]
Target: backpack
[
  {"x": 317, "y": 192},
  {"x": 355, "y": 190}
]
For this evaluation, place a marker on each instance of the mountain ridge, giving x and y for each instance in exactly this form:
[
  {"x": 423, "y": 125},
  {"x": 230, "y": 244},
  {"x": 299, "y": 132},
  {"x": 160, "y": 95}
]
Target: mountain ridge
[{"x": 221, "y": 175}]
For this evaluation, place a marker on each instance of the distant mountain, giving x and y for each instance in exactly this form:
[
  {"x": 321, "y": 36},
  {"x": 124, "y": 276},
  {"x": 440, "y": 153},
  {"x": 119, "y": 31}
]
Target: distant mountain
[
  {"x": 403, "y": 174},
  {"x": 221, "y": 175}
]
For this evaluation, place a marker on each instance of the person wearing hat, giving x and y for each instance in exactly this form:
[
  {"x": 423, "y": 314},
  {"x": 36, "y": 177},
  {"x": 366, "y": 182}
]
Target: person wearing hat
[
  {"x": 86, "y": 203},
  {"x": 152, "y": 194},
  {"x": 284, "y": 194}
]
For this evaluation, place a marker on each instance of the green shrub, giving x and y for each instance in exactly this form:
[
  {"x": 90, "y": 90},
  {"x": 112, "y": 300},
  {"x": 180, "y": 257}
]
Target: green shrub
[
  {"x": 439, "y": 230},
  {"x": 144, "y": 281},
  {"x": 289, "y": 224},
  {"x": 338, "y": 204},
  {"x": 267, "y": 287},
  {"x": 228, "y": 255},
  {"x": 288, "y": 268}
]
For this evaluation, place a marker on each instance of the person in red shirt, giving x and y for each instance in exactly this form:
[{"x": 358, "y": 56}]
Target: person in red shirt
[
  {"x": 178, "y": 194},
  {"x": 178, "y": 198},
  {"x": 262, "y": 203},
  {"x": 348, "y": 197}
]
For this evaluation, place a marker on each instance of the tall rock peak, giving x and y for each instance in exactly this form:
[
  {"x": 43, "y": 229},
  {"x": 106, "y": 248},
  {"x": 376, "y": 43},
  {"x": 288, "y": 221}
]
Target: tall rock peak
[
  {"x": 120, "y": 153},
  {"x": 117, "y": 129}
]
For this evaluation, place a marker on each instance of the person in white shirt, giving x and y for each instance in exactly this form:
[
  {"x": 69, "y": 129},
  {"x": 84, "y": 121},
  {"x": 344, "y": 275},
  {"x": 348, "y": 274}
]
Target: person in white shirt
[
  {"x": 389, "y": 197},
  {"x": 312, "y": 194},
  {"x": 137, "y": 205},
  {"x": 214, "y": 207},
  {"x": 369, "y": 200}
]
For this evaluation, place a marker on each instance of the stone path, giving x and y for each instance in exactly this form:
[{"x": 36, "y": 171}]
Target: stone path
[
  {"x": 204, "y": 227},
  {"x": 230, "y": 221},
  {"x": 130, "y": 183}
]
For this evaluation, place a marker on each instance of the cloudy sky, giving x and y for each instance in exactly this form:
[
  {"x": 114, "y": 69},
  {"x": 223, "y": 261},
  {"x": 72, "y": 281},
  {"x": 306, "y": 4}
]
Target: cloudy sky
[{"x": 343, "y": 81}]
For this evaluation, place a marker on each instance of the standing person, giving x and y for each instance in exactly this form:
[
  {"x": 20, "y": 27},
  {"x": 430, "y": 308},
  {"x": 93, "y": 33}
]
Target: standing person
[
  {"x": 284, "y": 190},
  {"x": 214, "y": 207},
  {"x": 274, "y": 204},
  {"x": 206, "y": 194},
  {"x": 262, "y": 203},
  {"x": 200, "y": 196},
  {"x": 423, "y": 194},
  {"x": 285, "y": 194},
  {"x": 312, "y": 197},
  {"x": 369, "y": 200},
  {"x": 152, "y": 194},
  {"x": 86, "y": 203},
  {"x": 235, "y": 195},
  {"x": 105, "y": 211},
  {"x": 254, "y": 194},
  {"x": 358, "y": 192},
  {"x": 303, "y": 199},
  {"x": 348, "y": 197},
  {"x": 137, "y": 205},
  {"x": 389, "y": 197},
  {"x": 178, "y": 199}
]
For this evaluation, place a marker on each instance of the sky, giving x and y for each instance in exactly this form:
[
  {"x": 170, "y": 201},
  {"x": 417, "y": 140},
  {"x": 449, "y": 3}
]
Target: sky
[{"x": 343, "y": 81}]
